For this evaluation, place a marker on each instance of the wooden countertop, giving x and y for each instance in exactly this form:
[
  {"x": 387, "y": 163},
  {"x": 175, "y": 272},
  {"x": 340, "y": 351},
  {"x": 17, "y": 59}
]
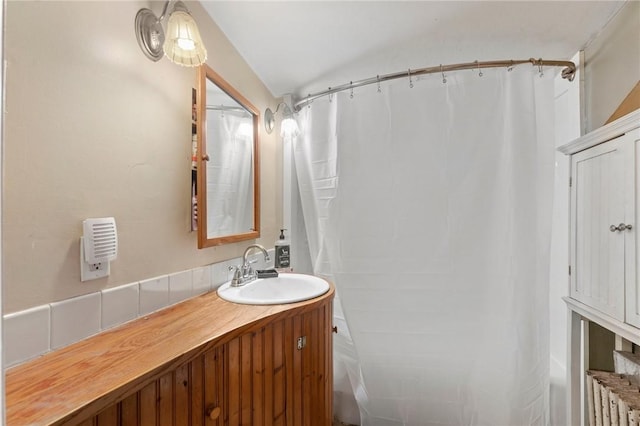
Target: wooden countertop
[{"x": 89, "y": 375}]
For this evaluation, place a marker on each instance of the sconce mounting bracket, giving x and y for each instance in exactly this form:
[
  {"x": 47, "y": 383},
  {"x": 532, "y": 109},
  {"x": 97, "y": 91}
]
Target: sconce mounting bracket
[
  {"x": 150, "y": 34},
  {"x": 269, "y": 120}
]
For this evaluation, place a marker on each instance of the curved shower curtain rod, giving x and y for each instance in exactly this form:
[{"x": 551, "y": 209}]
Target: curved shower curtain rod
[{"x": 568, "y": 72}]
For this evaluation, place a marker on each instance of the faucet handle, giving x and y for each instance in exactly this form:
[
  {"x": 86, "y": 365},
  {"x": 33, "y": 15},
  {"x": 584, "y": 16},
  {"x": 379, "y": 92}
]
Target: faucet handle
[{"x": 237, "y": 275}]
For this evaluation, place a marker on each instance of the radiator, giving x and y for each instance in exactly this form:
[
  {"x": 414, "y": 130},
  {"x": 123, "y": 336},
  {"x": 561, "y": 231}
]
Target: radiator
[{"x": 612, "y": 399}]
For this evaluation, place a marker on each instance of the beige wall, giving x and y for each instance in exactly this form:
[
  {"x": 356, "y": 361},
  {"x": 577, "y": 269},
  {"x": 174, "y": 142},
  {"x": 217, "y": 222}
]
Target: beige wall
[
  {"x": 612, "y": 65},
  {"x": 94, "y": 128}
]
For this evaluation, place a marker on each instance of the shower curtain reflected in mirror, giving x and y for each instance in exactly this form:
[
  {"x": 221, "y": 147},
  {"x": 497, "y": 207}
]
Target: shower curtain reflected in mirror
[
  {"x": 229, "y": 173},
  {"x": 430, "y": 208}
]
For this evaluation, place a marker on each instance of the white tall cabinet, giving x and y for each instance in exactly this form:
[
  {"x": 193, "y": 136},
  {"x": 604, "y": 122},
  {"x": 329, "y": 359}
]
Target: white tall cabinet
[
  {"x": 604, "y": 253},
  {"x": 632, "y": 241}
]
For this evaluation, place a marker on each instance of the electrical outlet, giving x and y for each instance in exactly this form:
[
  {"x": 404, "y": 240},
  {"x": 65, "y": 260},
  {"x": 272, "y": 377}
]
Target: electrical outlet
[
  {"x": 95, "y": 267},
  {"x": 91, "y": 271}
]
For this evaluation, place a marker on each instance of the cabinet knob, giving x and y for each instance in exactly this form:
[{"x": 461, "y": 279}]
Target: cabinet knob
[
  {"x": 213, "y": 412},
  {"x": 205, "y": 157},
  {"x": 620, "y": 227}
]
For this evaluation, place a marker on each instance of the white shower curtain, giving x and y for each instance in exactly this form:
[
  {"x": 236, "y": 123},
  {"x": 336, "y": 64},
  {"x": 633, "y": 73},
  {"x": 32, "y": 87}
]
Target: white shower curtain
[{"x": 430, "y": 208}]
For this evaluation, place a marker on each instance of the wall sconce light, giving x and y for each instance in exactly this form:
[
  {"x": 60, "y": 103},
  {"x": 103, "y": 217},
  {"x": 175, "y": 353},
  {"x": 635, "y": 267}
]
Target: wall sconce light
[
  {"x": 182, "y": 44},
  {"x": 288, "y": 127}
]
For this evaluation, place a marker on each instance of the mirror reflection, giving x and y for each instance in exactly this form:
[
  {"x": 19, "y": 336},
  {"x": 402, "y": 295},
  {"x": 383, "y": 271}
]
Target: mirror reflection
[
  {"x": 227, "y": 136},
  {"x": 229, "y": 169}
]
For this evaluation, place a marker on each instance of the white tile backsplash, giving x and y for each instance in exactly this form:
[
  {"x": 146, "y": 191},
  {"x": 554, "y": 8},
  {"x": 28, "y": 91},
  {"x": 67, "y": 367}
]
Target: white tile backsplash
[
  {"x": 221, "y": 273},
  {"x": 119, "y": 305},
  {"x": 180, "y": 286},
  {"x": 154, "y": 295},
  {"x": 75, "y": 319},
  {"x": 26, "y": 334},
  {"x": 38, "y": 330},
  {"x": 201, "y": 280}
]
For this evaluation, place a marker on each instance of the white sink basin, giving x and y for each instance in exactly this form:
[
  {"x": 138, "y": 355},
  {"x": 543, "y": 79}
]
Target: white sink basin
[{"x": 285, "y": 288}]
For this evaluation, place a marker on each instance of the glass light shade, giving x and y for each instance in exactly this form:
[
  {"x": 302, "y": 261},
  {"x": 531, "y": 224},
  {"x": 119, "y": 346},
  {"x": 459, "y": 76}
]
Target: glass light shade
[
  {"x": 183, "y": 44},
  {"x": 289, "y": 127}
]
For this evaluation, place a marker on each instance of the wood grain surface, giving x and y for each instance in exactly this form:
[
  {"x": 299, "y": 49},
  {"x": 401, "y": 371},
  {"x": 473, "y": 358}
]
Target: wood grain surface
[{"x": 170, "y": 366}]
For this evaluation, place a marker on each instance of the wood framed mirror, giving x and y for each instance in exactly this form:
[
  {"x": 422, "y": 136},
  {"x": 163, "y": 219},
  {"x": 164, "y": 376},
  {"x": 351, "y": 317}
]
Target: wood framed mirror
[{"x": 228, "y": 186}]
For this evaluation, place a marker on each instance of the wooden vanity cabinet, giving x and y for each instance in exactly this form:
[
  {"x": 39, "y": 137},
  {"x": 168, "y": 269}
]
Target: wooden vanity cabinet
[
  {"x": 203, "y": 361},
  {"x": 278, "y": 374}
]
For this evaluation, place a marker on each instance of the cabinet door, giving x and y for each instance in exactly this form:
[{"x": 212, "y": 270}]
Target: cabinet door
[
  {"x": 277, "y": 374},
  {"x": 632, "y": 254},
  {"x": 281, "y": 374},
  {"x": 190, "y": 395},
  {"x": 598, "y": 202}
]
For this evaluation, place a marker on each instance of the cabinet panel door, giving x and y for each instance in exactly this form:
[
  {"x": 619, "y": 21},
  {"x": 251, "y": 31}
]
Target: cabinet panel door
[
  {"x": 597, "y": 202},
  {"x": 632, "y": 156},
  {"x": 264, "y": 377}
]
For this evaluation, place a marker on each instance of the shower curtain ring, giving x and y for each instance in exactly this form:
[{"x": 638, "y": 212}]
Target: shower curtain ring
[
  {"x": 379, "y": 89},
  {"x": 330, "y": 95},
  {"x": 309, "y": 101},
  {"x": 510, "y": 67},
  {"x": 444, "y": 79},
  {"x": 540, "y": 68},
  {"x": 410, "y": 80},
  {"x": 479, "y": 70},
  {"x": 351, "y": 83}
]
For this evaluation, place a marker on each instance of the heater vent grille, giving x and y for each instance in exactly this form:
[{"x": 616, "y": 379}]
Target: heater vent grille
[
  {"x": 101, "y": 240},
  {"x": 613, "y": 399}
]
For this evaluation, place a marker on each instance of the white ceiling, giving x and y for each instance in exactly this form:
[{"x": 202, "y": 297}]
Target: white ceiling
[{"x": 306, "y": 46}]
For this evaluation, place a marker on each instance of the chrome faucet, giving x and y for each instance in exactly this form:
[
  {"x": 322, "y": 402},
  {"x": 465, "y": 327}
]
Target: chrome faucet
[{"x": 245, "y": 273}]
